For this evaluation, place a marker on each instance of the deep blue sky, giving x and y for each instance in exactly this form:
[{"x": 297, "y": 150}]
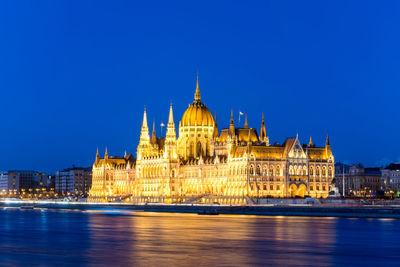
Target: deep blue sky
[{"x": 75, "y": 75}]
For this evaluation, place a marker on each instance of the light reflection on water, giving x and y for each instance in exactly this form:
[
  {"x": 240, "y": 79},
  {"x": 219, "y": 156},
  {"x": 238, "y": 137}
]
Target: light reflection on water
[{"x": 114, "y": 237}]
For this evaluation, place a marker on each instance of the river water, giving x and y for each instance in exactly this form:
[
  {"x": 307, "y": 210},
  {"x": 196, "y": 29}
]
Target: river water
[{"x": 125, "y": 238}]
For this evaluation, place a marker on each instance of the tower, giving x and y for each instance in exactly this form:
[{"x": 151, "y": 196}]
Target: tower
[
  {"x": 153, "y": 135},
  {"x": 216, "y": 134},
  {"x": 232, "y": 125},
  {"x": 328, "y": 151},
  {"x": 263, "y": 132},
  {"x": 170, "y": 137},
  {"x": 106, "y": 154},
  {"x": 144, "y": 141},
  {"x": 97, "y": 157}
]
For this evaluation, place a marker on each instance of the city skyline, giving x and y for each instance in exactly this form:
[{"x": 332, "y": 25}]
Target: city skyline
[{"x": 74, "y": 79}]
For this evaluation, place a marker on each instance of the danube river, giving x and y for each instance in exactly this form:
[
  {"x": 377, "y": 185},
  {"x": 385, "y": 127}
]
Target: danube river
[{"x": 125, "y": 238}]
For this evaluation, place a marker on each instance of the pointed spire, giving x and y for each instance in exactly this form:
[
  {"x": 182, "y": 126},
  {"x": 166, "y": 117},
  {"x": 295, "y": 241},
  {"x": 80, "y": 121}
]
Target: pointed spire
[
  {"x": 232, "y": 124},
  {"x": 263, "y": 132},
  {"x": 171, "y": 135},
  {"x": 144, "y": 123},
  {"x": 310, "y": 143},
  {"x": 153, "y": 135},
  {"x": 249, "y": 139},
  {"x": 328, "y": 147},
  {"x": 97, "y": 155},
  {"x": 171, "y": 115},
  {"x": 245, "y": 122},
  {"x": 197, "y": 95},
  {"x": 215, "y": 135},
  {"x": 106, "y": 154},
  {"x": 144, "y": 133}
]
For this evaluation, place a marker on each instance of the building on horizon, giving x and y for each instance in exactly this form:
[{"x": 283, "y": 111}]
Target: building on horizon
[
  {"x": 235, "y": 165},
  {"x": 359, "y": 181},
  {"x": 3, "y": 183},
  {"x": 391, "y": 179},
  {"x": 75, "y": 181}
]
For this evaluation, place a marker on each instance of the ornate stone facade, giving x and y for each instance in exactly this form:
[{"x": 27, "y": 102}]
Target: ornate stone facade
[{"x": 202, "y": 165}]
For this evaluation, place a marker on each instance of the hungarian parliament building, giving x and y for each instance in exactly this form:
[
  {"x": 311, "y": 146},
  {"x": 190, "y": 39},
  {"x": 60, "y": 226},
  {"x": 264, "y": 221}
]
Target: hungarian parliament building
[{"x": 207, "y": 165}]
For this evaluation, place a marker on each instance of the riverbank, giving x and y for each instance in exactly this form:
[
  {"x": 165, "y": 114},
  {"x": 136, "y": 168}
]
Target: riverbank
[{"x": 359, "y": 211}]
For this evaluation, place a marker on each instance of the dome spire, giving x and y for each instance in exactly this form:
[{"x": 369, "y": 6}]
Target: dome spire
[{"x": 197, "y": 95}]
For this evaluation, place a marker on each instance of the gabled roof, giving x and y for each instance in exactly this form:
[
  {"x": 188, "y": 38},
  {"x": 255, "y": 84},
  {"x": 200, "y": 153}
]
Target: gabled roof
[{"x": 393, "y": 166}]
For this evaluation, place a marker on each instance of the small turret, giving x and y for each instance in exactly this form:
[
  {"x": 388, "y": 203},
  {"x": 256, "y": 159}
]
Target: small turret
[
  {"x": 106, "y": 154},
  {"x": 232, "y": 125},
  {"x": 144, "y": 133},
  {"x": 153, "y": 135},
  {"x": 170, "y": 137},
  {"x": 263, "y": 132},
  {"x": 171, "y": 134},
  {"x": 97, "y": 156},
  {"x": 246, "y": 125},
  {"x": 310, "y": 144},
  {"x": 327, "y": 147},
  {"x": 215, "y": 134}
]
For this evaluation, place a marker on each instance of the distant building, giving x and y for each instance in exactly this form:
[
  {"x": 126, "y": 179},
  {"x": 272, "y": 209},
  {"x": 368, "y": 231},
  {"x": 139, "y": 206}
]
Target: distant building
[
  {"x": 3, "y": 183},
  {"x": 391, "y": 179},
  {"x": 20, "y": 181},
  {"x": 26, "y": 183},
  {"x": 341, "y": 172},
  {"x": 44, "y": 181},
  {"x": 358, "y": 181},
  {"x": 74, "y": 181}
]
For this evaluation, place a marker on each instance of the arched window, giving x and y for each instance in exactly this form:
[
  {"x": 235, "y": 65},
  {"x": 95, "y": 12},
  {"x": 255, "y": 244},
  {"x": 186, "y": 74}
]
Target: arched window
[
  {"x": 278, "y": 171},
  {"x": 198, "y": 149},
  {"x": 330, "y": 171},
  {"x": 258, "y": 170},
  {"x": 311, "y": 171},
  {"x": 191, "y": 148},
  {"x": 271, "y": 171},
  {"x": 323, "y": 171},
  {"x": 297, "y": 170},
  {"x": 317, "y": 172},
  {"x": 251, "y": 169}
]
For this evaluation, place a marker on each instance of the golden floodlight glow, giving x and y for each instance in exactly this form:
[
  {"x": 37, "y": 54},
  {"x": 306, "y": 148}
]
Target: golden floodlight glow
[{"x": 208, "y": 165}]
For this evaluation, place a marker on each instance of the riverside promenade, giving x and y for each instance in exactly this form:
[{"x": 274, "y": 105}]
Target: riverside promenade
[{"x": 312, "y": 210}]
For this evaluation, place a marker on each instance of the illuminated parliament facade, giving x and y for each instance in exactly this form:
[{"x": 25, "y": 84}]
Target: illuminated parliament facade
[{"x": 232, "y": 166}]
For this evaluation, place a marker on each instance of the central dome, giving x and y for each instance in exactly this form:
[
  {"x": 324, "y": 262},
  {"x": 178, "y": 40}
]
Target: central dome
[{"x": 197, "y": 114}]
